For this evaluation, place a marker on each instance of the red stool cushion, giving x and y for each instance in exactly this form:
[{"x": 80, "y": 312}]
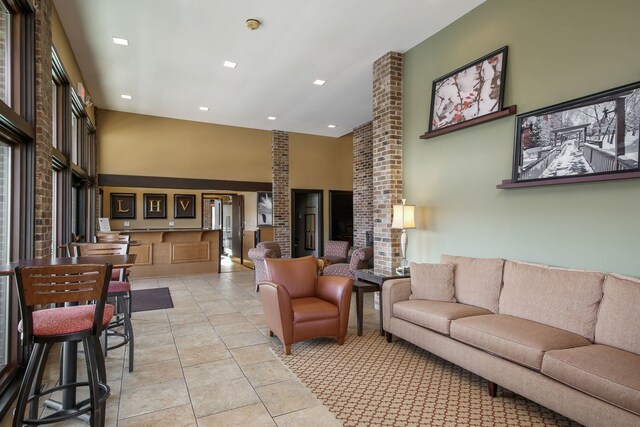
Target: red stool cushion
[
  {"x": 115, "y": 274},
  {"x": 66, "y": 320},
  {"x": 117, "y": 286}
]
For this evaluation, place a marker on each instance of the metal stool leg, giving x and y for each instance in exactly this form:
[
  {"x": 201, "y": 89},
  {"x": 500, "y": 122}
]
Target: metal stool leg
[
  {"x": 25, "y": 387},
  {"x": 128, "y": 328}
]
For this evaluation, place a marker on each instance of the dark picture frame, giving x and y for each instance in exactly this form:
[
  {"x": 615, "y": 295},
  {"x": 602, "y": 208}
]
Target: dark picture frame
[
  {"x": 184, "y": 206},
  {"x": 123, "y": 206},
  {"x": 584, "y": 139},
  {"x": 155, "y": 206},
  {"x": 265, "y": 208},
  {"x": 469, "y": 92}
]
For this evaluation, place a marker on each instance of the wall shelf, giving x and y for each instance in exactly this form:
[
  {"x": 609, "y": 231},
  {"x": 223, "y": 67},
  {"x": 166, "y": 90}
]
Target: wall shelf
[
  {"x": 508, "y": 111},
  {"x": 508, "y": 183}
]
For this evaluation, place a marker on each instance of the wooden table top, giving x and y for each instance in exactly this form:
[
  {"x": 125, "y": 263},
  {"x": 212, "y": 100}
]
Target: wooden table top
[{"x": 117, "y": 261}]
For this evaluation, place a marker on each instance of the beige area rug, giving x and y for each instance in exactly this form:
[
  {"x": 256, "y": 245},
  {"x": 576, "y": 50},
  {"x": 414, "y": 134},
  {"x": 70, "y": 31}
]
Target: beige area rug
[{"x": 369, "y": 382}]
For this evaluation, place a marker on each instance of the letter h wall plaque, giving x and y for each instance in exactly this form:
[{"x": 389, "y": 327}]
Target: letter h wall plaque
[
  {"x": 155, "y": 206},
  {"x": 123, "y": 206}
]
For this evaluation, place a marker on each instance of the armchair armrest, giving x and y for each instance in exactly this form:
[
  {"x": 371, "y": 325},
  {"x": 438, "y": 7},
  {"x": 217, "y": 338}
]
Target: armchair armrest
[
  {"x": 334, "y": 289},
  {"x": 393, "y": 291},
  {"x": 337, "y": 290},
  {"x": 277, "y": 310}
]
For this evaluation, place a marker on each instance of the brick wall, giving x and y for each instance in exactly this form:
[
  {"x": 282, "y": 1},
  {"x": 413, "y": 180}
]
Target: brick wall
[
  {"x": 387, "y": 157},
  {"x": 362, "y": 184},
  {"x": 43, "y": 125},
  {"x": 281, "y": 191}
]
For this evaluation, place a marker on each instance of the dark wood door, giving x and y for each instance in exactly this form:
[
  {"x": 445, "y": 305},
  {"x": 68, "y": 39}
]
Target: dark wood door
[{"x": 237, "y": 214}]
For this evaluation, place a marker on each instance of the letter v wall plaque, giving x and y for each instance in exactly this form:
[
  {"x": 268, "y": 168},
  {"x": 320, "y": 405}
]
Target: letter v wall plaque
[
  {"x": 123, "y": 206},
  {"x": 184, "y": 206}
]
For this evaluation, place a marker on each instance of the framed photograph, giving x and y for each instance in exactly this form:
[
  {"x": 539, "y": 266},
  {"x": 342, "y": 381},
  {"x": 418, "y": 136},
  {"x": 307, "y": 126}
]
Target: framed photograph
[
  {"x": 123, "y": 206},
  {"x": 265, "y": 208},
  {"x": 184, "y": 206},
  {"x": 470, "y": 92},
  {"x": 155, "y": 206},
  {"x": 593, "y": 135}
]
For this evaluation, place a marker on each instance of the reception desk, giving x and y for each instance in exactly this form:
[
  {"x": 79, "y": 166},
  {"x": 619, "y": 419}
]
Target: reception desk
[{"x": 174, "y": 252}]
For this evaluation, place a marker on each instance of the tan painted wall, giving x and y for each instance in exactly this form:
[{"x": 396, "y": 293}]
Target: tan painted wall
[
  {"x": 135, "y": 144},
  {"x": 63, "y": 47},
  {"x": 321, "y": 163}
]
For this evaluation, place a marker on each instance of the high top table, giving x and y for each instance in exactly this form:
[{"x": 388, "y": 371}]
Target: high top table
[{"x": 70, "y": 350}]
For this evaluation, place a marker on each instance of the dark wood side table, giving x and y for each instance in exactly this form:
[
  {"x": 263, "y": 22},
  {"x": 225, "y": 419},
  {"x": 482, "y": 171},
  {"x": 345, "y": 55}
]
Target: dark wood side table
[{"x": 369, "y": 280}]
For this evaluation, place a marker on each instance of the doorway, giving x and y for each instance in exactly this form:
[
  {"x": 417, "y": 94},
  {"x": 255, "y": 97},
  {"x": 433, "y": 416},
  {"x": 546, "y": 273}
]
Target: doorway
[
  {"x": 225, "y": 212},
  {"x": 341, "y": 216},
  {"x": 306, "y": 223}
]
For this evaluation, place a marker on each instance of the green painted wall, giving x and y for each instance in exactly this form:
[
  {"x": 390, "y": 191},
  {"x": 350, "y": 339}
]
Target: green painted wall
[{"x": 558, "y": 50}]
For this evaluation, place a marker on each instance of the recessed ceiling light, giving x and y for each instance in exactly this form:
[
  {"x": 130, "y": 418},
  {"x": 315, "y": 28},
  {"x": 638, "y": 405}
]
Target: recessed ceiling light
[
  {"x": 272, "y": 117},
  {"x": 229, "y": 64},
  {"x": 125, "y": 96},
  {"x": 204, "y": 108},
  {"x": 121, "y": 41},
  {"x": 331, "y": 126},
  {"x": 319, "y": 82}
]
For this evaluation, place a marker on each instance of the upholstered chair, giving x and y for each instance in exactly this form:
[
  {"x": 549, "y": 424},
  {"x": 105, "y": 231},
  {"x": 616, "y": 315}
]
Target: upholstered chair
[
  {"x": 258, "y": 255},
  {"x": 336, "y": 251},
  {"x": 359, "y": 260},
  {"x": 299, "y": 305}
]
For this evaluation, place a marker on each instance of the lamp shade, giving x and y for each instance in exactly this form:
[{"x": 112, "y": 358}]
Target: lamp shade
[{"x": 403, "y": 217}]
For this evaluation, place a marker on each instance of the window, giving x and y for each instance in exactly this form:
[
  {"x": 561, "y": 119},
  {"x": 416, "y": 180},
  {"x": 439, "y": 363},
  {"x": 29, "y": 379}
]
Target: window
[
  {"x": 54, "y": 115},
  {"x": 5, "y": 55},
  {"x": 5, "y": 227},
  {"x": 17, "y": 114}
]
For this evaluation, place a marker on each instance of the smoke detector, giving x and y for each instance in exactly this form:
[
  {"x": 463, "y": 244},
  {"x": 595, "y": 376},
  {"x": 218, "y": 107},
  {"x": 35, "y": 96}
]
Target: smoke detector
[{"x": 253, "y": 24}]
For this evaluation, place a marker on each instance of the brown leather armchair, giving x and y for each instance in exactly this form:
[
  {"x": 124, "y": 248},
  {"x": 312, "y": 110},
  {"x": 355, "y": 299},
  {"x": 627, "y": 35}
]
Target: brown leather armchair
[{"x": 299, "y": 305}]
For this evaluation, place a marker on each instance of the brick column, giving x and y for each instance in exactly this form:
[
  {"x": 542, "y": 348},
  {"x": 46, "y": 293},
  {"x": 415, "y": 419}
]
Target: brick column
[
  {"x": 281, "y": 191},
  {"x": 387, "y": 157},
  {"x": 43, "y": 126},
  {"x": 362, "y": 184}
]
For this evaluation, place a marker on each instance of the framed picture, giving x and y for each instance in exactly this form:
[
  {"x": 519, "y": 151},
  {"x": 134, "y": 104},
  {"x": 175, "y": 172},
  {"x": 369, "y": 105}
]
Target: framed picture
[
  {"x": 265, "y": 208},
  {"x": 593, "y": 135},
  {"x": 470, "y": 92},
  {"x": 155, "y": 206},
  {"x": 123, "y": 206},
  {"x": 184, "y": 206}
]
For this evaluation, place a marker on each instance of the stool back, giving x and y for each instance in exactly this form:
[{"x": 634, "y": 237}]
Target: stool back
[
  {"x": 59, "y": 284},
  {"x": 99, "y": 249}
]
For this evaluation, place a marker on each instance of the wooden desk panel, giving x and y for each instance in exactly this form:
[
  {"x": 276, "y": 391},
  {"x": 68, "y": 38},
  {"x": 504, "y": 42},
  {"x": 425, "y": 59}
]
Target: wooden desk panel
[{"x": 175, "y": 252}]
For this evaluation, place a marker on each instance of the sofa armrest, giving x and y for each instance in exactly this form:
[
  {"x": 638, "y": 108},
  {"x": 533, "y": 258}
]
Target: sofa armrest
[{"x": 393, "y": 291}]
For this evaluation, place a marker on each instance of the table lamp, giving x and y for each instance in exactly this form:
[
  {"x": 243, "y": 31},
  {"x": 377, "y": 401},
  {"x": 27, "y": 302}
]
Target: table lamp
[{"x": 403, "y": 219}]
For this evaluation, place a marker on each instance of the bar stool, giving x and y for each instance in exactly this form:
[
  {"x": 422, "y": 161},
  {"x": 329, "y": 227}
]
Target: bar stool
[
  {"x": 42, "y": 329},
  {"x": 119, "y": 289}
]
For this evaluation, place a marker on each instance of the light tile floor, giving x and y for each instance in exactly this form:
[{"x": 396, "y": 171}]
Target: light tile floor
[{"x": 207, "y": 361}]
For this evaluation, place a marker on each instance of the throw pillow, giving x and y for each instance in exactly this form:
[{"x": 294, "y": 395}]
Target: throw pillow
[{"x": 432, "y": 282}]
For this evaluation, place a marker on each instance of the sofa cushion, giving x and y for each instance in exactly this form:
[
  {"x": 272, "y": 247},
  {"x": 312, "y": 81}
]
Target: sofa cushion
[
  {"x": 563, "y": 298},
  {"x": 477, "y": 281},
  {"x": 434, "y": 315},
  {"x": 432, "y": 282},
  {"x": 619, "y": 313},
  {"x": 519, "y": 340},
  {"x": 604, "y": 372}
]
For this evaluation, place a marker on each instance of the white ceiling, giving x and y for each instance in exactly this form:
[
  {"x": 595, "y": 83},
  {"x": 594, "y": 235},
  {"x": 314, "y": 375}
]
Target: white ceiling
[{"x": 173, "y": 64}]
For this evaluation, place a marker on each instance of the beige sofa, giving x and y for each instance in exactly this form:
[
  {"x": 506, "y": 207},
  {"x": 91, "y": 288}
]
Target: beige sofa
[{"x": 566, "y": 339}]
